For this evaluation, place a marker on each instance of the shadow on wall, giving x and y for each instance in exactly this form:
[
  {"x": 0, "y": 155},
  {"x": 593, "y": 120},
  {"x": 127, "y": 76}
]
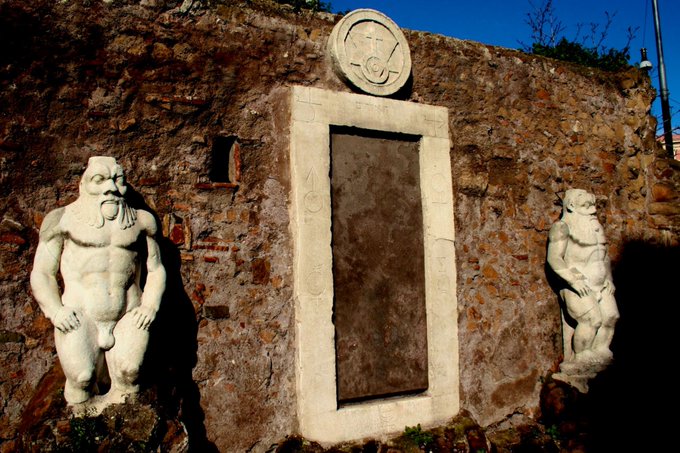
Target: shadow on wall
[
  {"x": 628, "y": 405},
  {"x": 172, "y": 351}
]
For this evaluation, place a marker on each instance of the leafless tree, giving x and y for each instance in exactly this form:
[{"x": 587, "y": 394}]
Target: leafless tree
[{"x": 545, "y": 26}]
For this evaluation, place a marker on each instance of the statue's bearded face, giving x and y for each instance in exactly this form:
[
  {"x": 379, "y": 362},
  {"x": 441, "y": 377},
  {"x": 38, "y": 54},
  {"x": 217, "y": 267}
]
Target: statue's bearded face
[
  {"x": 579, "y": 215},
  {"x": 585, "y": 205},
  {"x": 104, "y": 182},
  {"x": 579, "y": 202}
]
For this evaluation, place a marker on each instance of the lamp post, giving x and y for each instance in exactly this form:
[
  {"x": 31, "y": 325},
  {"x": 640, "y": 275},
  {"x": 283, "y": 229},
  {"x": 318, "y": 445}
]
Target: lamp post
[{"x": 665, "y": 107}]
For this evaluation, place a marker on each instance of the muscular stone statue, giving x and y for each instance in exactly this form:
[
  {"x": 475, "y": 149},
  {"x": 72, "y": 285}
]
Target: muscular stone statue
[
  {"x": 577, "y": 252},
  {"x": 102, "y": 319}
]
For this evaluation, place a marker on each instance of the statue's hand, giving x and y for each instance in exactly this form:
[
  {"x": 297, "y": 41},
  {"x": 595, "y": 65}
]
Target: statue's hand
[
  {"x": 609, "y": 287},
  {"x": 66, "y": 320},
  {"x": 143, "y": 316},
  {"x": 581, "y": 288}
]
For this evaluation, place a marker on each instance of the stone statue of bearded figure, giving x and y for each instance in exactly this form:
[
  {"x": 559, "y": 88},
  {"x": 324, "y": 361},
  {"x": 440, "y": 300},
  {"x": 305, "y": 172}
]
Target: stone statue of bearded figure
[
  {"x": 577, "y": 252},
  {"x": 102, "y": 318}
]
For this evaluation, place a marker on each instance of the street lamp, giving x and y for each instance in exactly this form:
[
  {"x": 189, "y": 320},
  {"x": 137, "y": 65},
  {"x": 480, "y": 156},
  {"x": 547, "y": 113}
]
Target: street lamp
[
  {"x": 644, "y": 61},
  {"x": 665, "y": 107}
]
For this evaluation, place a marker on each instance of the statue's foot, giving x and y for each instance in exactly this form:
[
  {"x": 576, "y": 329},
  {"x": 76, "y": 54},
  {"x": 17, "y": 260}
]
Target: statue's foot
[
  {"x": 118, "y": 395},
  {"x": 96, "y": 405},
  {"x": 90, "y": 408},
  {"x": 582, "y": 369},
  {"x": 605, "y": 356},
  {"x": 588, "y": 362},
  {"x": 86, "y": 409},
  {"x": 587, "y": 356}
]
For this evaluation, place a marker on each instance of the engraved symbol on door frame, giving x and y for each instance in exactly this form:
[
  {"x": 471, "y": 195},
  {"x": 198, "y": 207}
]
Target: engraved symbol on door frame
[
  {"x": 438, "y": 184},
  {"x": 437, "y": 123},
  {"x": 313, "y": 200},
  {"x": 315, "y": 281},
  {"x": 305, "y": 110}
]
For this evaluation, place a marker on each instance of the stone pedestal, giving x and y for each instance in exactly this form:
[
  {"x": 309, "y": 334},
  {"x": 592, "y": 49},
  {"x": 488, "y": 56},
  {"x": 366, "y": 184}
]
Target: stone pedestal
[{"x": 49, "y": 425}]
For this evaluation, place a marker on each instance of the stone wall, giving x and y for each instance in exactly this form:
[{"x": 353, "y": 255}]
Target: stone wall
[{"x": 161, "y": 90}]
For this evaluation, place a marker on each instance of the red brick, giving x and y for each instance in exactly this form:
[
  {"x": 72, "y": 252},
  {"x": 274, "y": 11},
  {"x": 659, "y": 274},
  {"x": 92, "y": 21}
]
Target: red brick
[
  {"x": 489, "y": 272},
  {"x": 12, "y": 238},
  {"x": 608, "y": 168},
  {"x": 260, "y": 268},
  {"x": 219, "y": 248},
  {"x": 177, "y": 234},
  {"x": 662, "y": 192},
  {"x": 148, "y": 182},
  {"x": 181, "y": 207},
  {"x": 267, "y": 336},
  {"x": 215, "y": 185},
  {"x": 543, "y": 94}
]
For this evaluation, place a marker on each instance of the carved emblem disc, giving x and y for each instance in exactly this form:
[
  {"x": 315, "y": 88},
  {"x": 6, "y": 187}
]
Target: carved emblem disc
[{"x": 370, "y": 52}]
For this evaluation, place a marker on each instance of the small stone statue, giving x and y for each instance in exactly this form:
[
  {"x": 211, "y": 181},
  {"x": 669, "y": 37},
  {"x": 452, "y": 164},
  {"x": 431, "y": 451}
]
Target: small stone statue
[
  {"x": 577, "y": 252},
  {"x": 102, "y": 318}
]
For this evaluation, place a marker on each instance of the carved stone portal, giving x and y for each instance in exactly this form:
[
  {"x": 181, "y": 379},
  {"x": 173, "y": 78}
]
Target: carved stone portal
[
  {"x": 417, "y": 235},
  {"x": 369, "y": 51},
  {"x": 102, "y": 318},
  {"x": 577, "y": 252}
]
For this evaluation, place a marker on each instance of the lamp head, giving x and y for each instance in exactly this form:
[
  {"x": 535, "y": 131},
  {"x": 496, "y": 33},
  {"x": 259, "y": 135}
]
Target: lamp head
[{"x": 644, "y": 62}]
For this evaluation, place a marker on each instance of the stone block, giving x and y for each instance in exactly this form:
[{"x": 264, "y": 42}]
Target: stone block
[
  {"x": 663, "y": 192},
  {"x": 215, "y": 312},
  {"x": 664, "y": 208}
]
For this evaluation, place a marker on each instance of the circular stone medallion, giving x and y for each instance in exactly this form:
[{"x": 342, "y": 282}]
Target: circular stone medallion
[{"x": 369, "y": 51}]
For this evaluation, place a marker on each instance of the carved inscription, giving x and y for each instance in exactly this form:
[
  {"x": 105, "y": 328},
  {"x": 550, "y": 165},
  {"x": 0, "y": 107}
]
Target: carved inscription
[
  {"x": 305, "y": 110},
  {"x": 437, "y": 124},
  {"x": 375, "y": 108},
  {"x": 388, "y": 419},
  {"x": 313, "y": 199},
  {"x": 314, "y": 280},
  {"x": 442, "y": 265},
  {"x": 369, "y": 51}
]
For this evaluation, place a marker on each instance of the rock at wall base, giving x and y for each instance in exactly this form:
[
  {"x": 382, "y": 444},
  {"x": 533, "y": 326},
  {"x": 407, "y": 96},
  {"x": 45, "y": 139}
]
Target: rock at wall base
[
  {"x": 462, "y": 434},
  {"x": 578, "y": 381},
  {"x": 138, "y": 425}
]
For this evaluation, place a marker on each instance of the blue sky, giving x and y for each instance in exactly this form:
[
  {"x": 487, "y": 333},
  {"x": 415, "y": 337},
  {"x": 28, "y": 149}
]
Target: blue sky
[{"x": 503, "y": 23}]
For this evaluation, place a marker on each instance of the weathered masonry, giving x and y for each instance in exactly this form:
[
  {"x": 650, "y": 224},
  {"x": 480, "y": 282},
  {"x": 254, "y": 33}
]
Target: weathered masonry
[{"x": 311, "y": 206}]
